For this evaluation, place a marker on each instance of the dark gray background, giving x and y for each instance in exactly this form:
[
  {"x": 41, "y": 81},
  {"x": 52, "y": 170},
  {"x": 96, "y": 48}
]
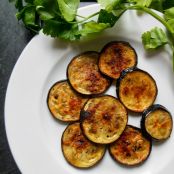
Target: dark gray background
[{"x": 13, "y": 38}]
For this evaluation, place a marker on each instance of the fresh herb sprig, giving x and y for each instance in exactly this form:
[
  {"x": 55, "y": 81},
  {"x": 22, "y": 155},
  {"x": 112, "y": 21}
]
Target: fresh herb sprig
[{"x": 58, "y": 18}]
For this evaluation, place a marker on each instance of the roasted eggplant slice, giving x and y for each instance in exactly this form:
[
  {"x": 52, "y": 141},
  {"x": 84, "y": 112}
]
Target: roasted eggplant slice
[
  {"x": 136, "y": 89},
  {"x": 131, "y": 148},
  {"x": 78, "y": 150},
  {"x": 64, "y": 103},
  {"x": 115, "y": 57},
  {"x": 84, "y": 75},
  {"x": 157, "y": 122},
  {"x": 103, "y": 119}
]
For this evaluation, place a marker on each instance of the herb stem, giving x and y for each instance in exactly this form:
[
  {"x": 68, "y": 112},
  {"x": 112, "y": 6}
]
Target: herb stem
[
  {"x": 85, "y": 18},
  {"x": 152, "y": 13},
  {"x": 80, "y": 16}
]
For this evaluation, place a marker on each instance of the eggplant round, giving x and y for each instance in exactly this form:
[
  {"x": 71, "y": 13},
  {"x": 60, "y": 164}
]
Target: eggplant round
[
  {"x": 78, "y": 150},
  {"x": 64, "y": 103},
  {"x": 103, "y": 119},
  {"x": 115, "y": 57},
  {"x": 132, "y": 148},
  {"x": 84, "y": 75},
  {"x": 157, "y": 122},
  {"x": 136, "y": 89}
]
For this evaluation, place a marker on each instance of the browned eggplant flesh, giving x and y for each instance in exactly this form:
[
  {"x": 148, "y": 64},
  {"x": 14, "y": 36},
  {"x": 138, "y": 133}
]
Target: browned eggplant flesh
[
  {"x": 84, "y": 75},
  {"x": 103, "y": 119},
  {"x": 78, "y": 150},
  {"x": 115, "y": 57},
  {"x": 136, "y": 89},
  {"x": 64, "y": 103},
  {"x": 131, "y": 148},
  {"x": 157, "y": 122}
]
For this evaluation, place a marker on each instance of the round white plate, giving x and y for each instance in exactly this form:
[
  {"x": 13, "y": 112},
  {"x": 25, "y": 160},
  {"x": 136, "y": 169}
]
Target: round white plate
[{"x": 34, "y": 136}]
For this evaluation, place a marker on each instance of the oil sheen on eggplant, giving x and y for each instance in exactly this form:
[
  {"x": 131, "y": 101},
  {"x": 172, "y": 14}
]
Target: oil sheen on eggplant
[
  {"x": 136, "y": 89},
  {"x": 103, "y": 119},
  {"x": 78, "y": 150},
  {"x": 84, "y": 75},
  {"x": 115, "y": 57},
  {"x": 64, "y": 103},
  {"x": 132, "y": 148},
  {"x": 157, "y": 122}
]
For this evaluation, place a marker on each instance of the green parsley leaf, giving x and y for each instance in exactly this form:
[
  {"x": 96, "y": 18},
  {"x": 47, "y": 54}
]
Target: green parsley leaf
[
  {"x": 72, "y": 33},
  {"x": 167, "y": 4},
  {"x": 169, "y": 13},
  {"x": 154, "y": 38},
  {"x": 29, "y": 1},
  {"x": 61, "y": 29},
  {"x": 19, "y": 4},
  {"x": 171, "y": 23},
  {"x": 68, "y": 8},
  {"x": 28, "y": 16},
  {"x": 44, "y": 14},
  {"x": 107, "y": 17},
  {"x": 161, "y": 5},
  {"x": 93, "y": 27},
  {"x": 145, "y": 3},
  {"x": 169, "y": 17},
  {"x": 109, "y": 5},
  {"x": 48, "y": 4},
  {"x": 157, "y": 5}
]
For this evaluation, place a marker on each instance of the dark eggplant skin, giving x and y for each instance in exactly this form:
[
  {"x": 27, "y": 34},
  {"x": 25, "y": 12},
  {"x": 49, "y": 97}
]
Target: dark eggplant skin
[
  {"x": 109, "y": 80},
  {"x": 135, "y": 164},
  {"x": 123, "y": 74},
  {"x": 69, "y": 161},
  {"x": 145, "y": 115},
  {"x": 110, "y": 44}
]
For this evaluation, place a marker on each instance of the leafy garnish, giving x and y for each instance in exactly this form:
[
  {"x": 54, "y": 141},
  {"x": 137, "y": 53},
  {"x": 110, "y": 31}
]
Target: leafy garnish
[
  {"x": 44, "y": 14},
  {"x": 93, "y": 27},
  {"x": 19, "y": 4},
  {"x": 154, "y": 38},
  {"x": 68, "y": 8},
  {"x": 169, "y": 13},
  {"x": 58, "y": 18},
  {"x": 107, "y": 17},
  {"x": 145, "y": 3},
  {"x": 109, "y": 5},
  {"x": 61, "y": 29}
]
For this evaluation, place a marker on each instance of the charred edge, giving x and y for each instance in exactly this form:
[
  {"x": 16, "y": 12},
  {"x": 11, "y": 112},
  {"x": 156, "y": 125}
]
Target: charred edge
[
  {"x": 82, "y": 118},
  {"x": 89, "y": 141},
  {"x": 124, "y": 43},
  {"x": 138, "y": 163},
  {"x": 86, "y": 52},
  {"x": 118, "y": 42},
  {"x": 47, "y": 101},
  {"x": 146, "y": 113},
  {"x": 123, "y": 74},
  {"x": 129, "y": 70},
  {"x": 94, "y": 94}
]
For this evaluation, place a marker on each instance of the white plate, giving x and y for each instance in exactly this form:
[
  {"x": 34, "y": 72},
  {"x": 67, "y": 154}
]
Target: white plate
[{"x": 34, "y": 136}]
